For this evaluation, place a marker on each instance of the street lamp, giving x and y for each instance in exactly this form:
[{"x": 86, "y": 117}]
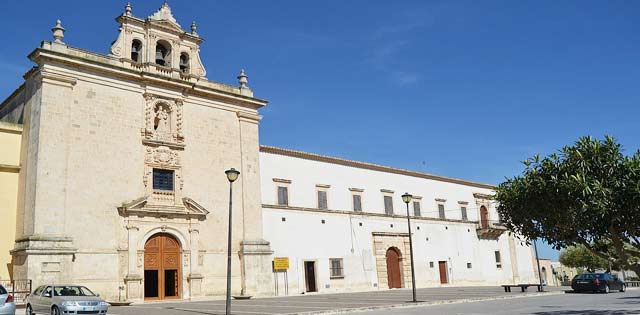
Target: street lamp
[
  {"x": 407, "y": 199},
  {"x": 232, "y": 175}
]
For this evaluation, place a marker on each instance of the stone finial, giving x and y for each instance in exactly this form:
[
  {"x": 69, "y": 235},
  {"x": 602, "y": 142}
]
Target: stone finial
[
  {"x": 243, "y": 79},
  {"x": 193, "y": 28},
  {"x": 58, "y": 32},
  {"x": 127, "y": 9}
]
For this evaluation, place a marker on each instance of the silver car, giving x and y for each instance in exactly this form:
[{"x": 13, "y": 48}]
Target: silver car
[
  {"x": 7, "y": 306},
  {"x": 64, "y": 299}
]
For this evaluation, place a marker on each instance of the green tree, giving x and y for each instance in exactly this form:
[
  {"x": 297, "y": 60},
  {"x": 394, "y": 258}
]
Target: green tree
[
  {"x": 580, "y": 257},
  {"x": 586, "y": 194}
]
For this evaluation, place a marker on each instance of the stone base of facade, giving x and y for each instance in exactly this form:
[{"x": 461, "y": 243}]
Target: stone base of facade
[
  {"x": 256, "y": 268},
  {"x": 43, "y": 258}
]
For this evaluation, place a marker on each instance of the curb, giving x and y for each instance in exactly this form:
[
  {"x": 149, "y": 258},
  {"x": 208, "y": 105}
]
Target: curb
[{"x": 421, "y": 304}]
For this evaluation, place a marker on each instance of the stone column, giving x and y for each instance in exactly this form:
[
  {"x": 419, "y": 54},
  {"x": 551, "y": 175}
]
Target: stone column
[
  {"x": 255, "y": 252},
  {"x": 195, "y": 276},
  {"x": 133, "y": 279}
]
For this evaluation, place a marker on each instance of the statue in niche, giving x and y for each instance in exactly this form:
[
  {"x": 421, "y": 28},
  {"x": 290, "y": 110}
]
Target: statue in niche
[{"x": 161, "y": 122}]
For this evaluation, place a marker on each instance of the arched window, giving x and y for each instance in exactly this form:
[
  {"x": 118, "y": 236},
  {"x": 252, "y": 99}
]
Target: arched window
[
  {"x": 136, "y": 49},
  {"x": 163, "y": 51},
  {"x": 184, "y": 62}
]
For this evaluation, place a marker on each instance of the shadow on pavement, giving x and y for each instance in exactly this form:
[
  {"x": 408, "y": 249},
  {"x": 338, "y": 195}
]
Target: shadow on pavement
[{"x": 589, "y": 312}]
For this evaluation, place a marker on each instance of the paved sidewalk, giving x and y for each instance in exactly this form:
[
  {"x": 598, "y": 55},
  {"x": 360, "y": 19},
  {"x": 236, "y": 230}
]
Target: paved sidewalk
[{"x": 328, "y": 303}]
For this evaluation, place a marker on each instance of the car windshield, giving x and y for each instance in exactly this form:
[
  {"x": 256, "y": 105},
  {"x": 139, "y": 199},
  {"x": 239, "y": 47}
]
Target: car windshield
[
  {"x": 72, "y": 291},
  {"x": 591, "y": 276},
  {"x": 3, "y": 290}
]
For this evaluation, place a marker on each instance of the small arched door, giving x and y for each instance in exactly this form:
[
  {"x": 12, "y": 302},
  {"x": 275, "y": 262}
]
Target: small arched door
[
  {"x": 162, "y": 267},
  {"x": 393, "y": 268},
  {"x": 484, "y": 217}
]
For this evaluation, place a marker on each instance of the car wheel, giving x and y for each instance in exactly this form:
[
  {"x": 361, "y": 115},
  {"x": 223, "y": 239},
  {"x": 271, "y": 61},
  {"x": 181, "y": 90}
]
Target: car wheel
[
  {"x": 55, "y": 311},
  {"x": 28, "y": 310},
  {"x": 623, "y": 288},
  {"x": 606, "y": 289}
]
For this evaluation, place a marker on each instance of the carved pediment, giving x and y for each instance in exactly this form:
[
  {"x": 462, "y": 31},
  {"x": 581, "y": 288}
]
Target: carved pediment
[
  {"x": 167, "y": 24},
  {"x": 142, "y": 207}
]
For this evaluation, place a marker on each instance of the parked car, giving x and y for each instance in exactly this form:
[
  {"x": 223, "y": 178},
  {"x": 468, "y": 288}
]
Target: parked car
[
  {"x": 7, "y": 306},
  {"x": 64, "y": 299},
  {"x": 597, "y": 282}
]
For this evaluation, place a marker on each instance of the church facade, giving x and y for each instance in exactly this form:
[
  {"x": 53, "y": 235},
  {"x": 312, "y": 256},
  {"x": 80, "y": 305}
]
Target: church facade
[{"x": 121, "y": 187}]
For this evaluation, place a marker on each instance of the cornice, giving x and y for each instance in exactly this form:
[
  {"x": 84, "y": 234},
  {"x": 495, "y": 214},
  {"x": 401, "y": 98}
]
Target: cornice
[
  {"x": 369, "y": 166},
  {"x": 365, "y": 214},
  {"x": 82, "y": 59},
  {"x": 10, "y": 127},
  {"x": 4, "y": 168}
]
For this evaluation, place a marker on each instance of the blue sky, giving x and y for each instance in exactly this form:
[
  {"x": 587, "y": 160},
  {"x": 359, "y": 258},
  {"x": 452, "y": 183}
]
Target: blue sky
[{"x": 465, "y": 89}]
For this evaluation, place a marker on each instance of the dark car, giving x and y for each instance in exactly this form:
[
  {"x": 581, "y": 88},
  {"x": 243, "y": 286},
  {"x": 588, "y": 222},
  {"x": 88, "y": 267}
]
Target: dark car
[{"x": 597, "y": 282}]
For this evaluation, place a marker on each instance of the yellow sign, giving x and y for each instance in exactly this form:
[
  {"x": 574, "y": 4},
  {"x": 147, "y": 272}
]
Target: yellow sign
[{"x": 281, "y": 263}]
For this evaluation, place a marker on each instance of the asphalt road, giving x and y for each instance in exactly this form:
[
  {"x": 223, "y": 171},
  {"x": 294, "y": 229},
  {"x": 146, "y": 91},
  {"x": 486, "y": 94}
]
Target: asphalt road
[
  {"x": 320, "y": 302},
  {"x": 566, "y": 304}
]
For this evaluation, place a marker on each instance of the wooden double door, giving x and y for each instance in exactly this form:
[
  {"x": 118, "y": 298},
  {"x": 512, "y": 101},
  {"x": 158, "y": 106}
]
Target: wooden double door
[
  {"x": 162, "y": 267},
  {"x": 394, "y": 277}
]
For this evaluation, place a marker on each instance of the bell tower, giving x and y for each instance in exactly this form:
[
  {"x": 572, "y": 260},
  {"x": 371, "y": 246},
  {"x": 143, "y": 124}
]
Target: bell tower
[{"x": 159, "y": 41}]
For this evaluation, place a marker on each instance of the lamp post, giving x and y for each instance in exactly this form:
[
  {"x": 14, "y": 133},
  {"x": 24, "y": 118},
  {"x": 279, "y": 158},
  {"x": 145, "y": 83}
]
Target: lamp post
[
  {"x": 232, "y": 175},
  {"x": 535, "y": 246},
  {"x": 407, "y": 199}
]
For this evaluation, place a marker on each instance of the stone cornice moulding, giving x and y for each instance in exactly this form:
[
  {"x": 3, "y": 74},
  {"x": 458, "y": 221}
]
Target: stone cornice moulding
[
  {"x": 463, "y": 202},
  {"x": 392, "y": 234},
  {"x": 356, "y": 189},
  {"x": 114, "y": 67},
  {"x": 367, "y": 214},
  {"x": 369, "y": 166},
  {"x": 11, "y": 127},
  {"x": 248, "y": 117},
  {"x": 323, "y": 186},
  {"x": 9, "y": 168},
  {"x": 45, "y": 76},
  {"x": 417, "y": 197},
  {"x": 387, "y": 191},
  {"x": 281, "y": 180},
  {"x": 441, "y": 200},
  {"x": 482, "y": 196}
]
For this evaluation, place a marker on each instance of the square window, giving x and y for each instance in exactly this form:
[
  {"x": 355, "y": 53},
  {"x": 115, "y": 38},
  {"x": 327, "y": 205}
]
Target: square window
[
  {"x": 468, "y": 265},
  {"x": 322, "y": 199},
  {"x": 337, "y": 270},
  {"x": 416, "y": 208},
  {"x": 388, "y": 205},
  {"x": 162, "y": 179},
  {"x": 431, "y": 264},
  {"x": 441, "y": 214},
  {"x": 357, "y": 203},
  {"x": 283, "y": 196}
]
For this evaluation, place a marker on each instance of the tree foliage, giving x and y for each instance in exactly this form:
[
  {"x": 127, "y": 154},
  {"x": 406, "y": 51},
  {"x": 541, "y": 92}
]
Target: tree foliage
[
  {"x": 580, "y": 257},
  {"x": 586, "y": 194}
]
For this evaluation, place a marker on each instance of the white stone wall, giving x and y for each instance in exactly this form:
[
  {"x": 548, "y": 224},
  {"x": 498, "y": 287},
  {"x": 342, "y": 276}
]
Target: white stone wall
[{"x": 349, "y": 235}]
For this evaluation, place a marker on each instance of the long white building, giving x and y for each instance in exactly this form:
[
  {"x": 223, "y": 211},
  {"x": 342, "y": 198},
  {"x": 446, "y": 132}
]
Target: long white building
[
  {"x": 343, "y": 226},
  {"x": 120, "y": 186}
]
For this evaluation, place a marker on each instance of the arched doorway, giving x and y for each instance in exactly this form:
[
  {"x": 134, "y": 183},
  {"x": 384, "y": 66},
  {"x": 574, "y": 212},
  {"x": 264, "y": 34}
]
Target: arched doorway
[
  {"x": 162, "y": 267},
  {"x": 484, "y": 217},
  {"x": 393, "y": 268}
]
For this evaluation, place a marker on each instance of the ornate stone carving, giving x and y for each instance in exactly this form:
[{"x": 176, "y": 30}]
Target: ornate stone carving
[
  {"x": 163, "y": 120},
  {"x": 162, "y": 156}
]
